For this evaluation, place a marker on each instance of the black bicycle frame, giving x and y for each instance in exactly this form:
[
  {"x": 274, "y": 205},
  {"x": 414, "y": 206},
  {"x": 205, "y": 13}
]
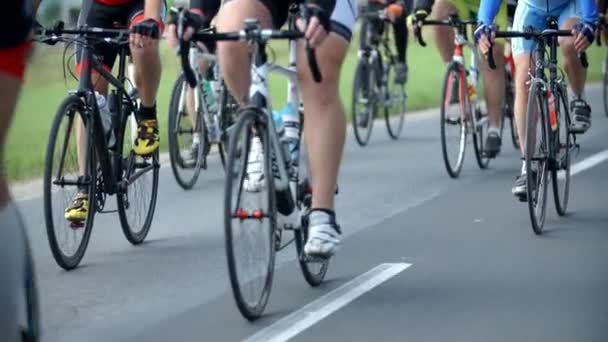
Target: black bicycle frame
[{"x": 110, "y": 161}]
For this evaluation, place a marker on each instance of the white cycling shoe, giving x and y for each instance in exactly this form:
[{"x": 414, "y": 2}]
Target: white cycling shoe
[
  {"x": 323, "y": 235},
  {"x": 254, "y": 179}
]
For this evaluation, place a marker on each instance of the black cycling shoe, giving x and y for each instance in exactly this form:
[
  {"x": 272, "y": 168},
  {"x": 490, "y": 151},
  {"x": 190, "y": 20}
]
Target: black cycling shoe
[
  {"x": 401, "y": 72},
  {"x": 581, "y": 116},
  {"x": 493, "y": 143}
]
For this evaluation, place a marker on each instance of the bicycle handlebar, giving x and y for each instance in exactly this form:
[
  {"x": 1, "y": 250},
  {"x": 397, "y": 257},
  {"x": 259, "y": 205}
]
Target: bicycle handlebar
[
  {"x": 52, "y": 35},
  {"x": 252, "y": 33},
  {"x": 454, "y": 21}
]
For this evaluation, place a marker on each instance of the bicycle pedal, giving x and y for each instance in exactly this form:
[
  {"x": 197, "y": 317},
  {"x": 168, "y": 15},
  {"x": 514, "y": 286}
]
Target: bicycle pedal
[{"x": 76, "y": 224}]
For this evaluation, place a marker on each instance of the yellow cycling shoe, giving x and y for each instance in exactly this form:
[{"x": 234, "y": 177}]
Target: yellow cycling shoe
[
  {"x": 148, "y": 139},
  {"x": 79, "y": 208}
]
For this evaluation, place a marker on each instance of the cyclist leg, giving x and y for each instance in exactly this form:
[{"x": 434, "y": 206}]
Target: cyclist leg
[
  {"x": 401, "y": 37},
  {"x": 577, "y": 74},
  {"x": 522, "y": 50},
  {"x": 443, "y": 35},
  {"x": 14, "y": 31},
  {"x": 146, "y": 59},
  {"x": 325, "y": 128},
  {"x": 494, "y": 90}
]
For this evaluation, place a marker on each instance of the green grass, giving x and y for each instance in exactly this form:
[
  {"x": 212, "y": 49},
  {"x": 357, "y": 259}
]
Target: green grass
[{"x": 45, "y": 88}]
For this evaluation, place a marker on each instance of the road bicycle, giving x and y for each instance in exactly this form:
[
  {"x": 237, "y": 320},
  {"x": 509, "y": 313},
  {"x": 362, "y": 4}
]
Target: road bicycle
[
  {"x": 374, "y": 84},
  {"x": 461, "y": 109},
  {"x": 109, "y": 165},
  {"x": 548, "y": 140},
  {"x": 213, "y": 117},
  {"x": 255, "y": 219}
]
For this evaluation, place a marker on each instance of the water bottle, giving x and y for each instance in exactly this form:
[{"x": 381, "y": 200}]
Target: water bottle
[
  {"x": 552, "y": 111},
  {"x": 278, "y": 123},
  {"x": 106, "y": 118},
  {"x": 208, "y": 95},
  {"x": 291, "y": 124}
]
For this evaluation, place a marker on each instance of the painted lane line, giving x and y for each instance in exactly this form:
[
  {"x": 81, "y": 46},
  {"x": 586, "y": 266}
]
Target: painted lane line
[
  {"x": 587, "y": 163},
  {"x": 298, "y": 321}
]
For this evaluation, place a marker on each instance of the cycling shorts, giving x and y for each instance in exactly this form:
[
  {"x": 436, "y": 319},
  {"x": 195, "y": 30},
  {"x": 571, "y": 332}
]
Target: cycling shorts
[
  {"x": 468, "y": 9},
  {"x": 15, "y": 27},
  {"x": 97, "y": 13},
  {"x": 342, "y": 19},
  {"x": 526, "y": 15}
]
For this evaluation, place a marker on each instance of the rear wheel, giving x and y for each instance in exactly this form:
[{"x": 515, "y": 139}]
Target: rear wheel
[
  {"x": 62, "y": 180},
  {"x": 186, "y": 168},
  {"x": 563, "y": 142},
  {"x": 249, "y": 220},
  {"x": 364, "y": 101},
  {"x": 394, "y": 104},
  {"x": 138, "y": 185},
  {"x": 227, "y": 110},
  {"x": 480, "y": 132},
  {"x": 455, "y": 105},
  {"x": 508, "y": 112},
  {"x": 537, "y": 151}
]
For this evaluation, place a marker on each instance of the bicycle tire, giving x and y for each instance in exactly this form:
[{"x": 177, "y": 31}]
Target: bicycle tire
[
  {"x": 249, "y": 120},
  {"x": 364, "y": 82},
  {"x": 400, "y": 97},
  {"x": 185, "y": 176},
  {"x": 605, "y": 83},
  {"x": 32, "y": 332},
  {"x": 454, "y": 70},
  {"x": 129, "y": 163},
  {"x": 538, "y": 175},
  {"x": 71, "y": 107},
  {"x": 314, "y": 277},
  {"x": 563, "y": 161},
  {"x": 480, "y": 125}
]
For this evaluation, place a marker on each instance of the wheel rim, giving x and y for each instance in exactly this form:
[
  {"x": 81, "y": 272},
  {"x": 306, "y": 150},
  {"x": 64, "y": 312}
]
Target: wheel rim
[
  {"x": 536, "y": 162},
  {"x": 453, "y": 130},
  {"x": 561, "y": 175},
  {"x": 395, "y": 106},
  {"x": 249, "y": 242},
  {"x": 364, "y": 102},
  {"x": 68, "y": 240}
]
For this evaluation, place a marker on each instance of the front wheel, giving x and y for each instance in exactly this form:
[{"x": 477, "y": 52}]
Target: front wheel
[
  {"x": 64, "y": 178},
  {"x": 364, "y": 101},
  {"x": 249, "y": 215},
  {"x": 455, "y": 105},
  {"x": 138, "y": 186},
  {"x": 394, "y": 104},
  {"x": 480, "y": 132},
  {"x": 563, "y": 142},
  {"x": 536, "y": 157}
]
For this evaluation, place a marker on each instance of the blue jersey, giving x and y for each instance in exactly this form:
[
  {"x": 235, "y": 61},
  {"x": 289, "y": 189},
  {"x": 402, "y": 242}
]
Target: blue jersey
[{"x": 488, "y": 9}]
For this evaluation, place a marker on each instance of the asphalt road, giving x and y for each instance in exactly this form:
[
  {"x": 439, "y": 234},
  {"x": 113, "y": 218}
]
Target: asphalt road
[{"x": 459, "y": 259}]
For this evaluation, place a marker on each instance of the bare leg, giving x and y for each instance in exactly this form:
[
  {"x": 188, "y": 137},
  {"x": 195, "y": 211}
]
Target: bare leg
[
  {"x": 9, "y": 91},
  {"x": 494, "y": 86},
  {"x": 444, "y": 36},
  {"x": 147, "y": 72},
  {"x": 234, "y": 56},
  {"x": 577, "y": 74},
  {"x": 522, "y": 65}
]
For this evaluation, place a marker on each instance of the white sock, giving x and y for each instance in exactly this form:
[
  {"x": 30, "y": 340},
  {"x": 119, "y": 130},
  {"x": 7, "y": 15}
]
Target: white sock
[
  {"x": 523, "y": 168},
  {"x": 494, "y": 130},
  {"x": 196, "y": 138}
]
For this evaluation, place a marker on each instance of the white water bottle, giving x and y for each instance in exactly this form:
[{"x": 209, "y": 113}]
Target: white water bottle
[
  {"x": 106, "y": 118},
  {"x": 291, "y": 125}
]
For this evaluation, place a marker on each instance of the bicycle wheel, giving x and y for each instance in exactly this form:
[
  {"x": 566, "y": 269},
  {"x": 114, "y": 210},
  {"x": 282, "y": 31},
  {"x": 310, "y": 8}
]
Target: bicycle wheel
[
  {"x": 537, "y": 150},
  {"x": 563, "y": 142},
  {"x": 455, "y": 104},
  {"x": 62, "y": 178},
  {"x": 605, "y": 83},
  {"x": 31, "y": 333},
  {"x": 181, "y": 134},
  {"x": 508, "y": 109},
  {"x": 313, "y": 269},
  {"x": 138, "y": 187},
  {"x": 364, "y": 101},
  {"x": 480, "y": 131},
  {"x": 394, "y": 104},
  {"x": 228, "y": 109},
  {"x": 249, "y": 221}
]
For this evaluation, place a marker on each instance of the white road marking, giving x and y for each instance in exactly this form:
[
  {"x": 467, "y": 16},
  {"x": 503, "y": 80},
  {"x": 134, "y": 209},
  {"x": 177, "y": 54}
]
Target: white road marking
[
  {"x": 310, "y": 314},
  {"x": 587, "y": 163}
]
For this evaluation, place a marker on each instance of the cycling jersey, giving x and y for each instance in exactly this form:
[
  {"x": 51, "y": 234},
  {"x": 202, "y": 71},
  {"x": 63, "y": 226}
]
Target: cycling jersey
[
  {"x": 587, "y": 8},
  {"x": 466, "y": 9}
]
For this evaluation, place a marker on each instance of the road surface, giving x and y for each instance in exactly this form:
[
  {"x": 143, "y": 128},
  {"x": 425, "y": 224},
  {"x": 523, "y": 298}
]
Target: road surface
[{"x": 425, "y": 258}]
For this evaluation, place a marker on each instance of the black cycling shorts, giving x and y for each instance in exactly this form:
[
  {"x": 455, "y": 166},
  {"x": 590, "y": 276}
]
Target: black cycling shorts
[
  {"x": 96, "y": 14},
  {"x": 15, "y": 22}
]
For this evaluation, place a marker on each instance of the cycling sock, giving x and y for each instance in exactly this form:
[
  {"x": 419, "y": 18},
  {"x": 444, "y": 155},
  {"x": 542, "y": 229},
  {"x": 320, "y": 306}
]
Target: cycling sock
[
  {"x": 494, "y": 130},
  {"x": 196, "y": 138},
  {"x": 329, "y": 212},
  {"x": 146, "y": 113},
  {"x": 523, "y": 168}
]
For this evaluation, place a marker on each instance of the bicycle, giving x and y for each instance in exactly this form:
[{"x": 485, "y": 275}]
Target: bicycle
[
  {"x": 110, "y": 167},
  {"x": 210, "y": 124},
  {"x": 460, "y": 90},
  {"x": 547, "y": 157},
  {"x": 288, "y": 193},
  {"x": 373, "y": 83}
]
